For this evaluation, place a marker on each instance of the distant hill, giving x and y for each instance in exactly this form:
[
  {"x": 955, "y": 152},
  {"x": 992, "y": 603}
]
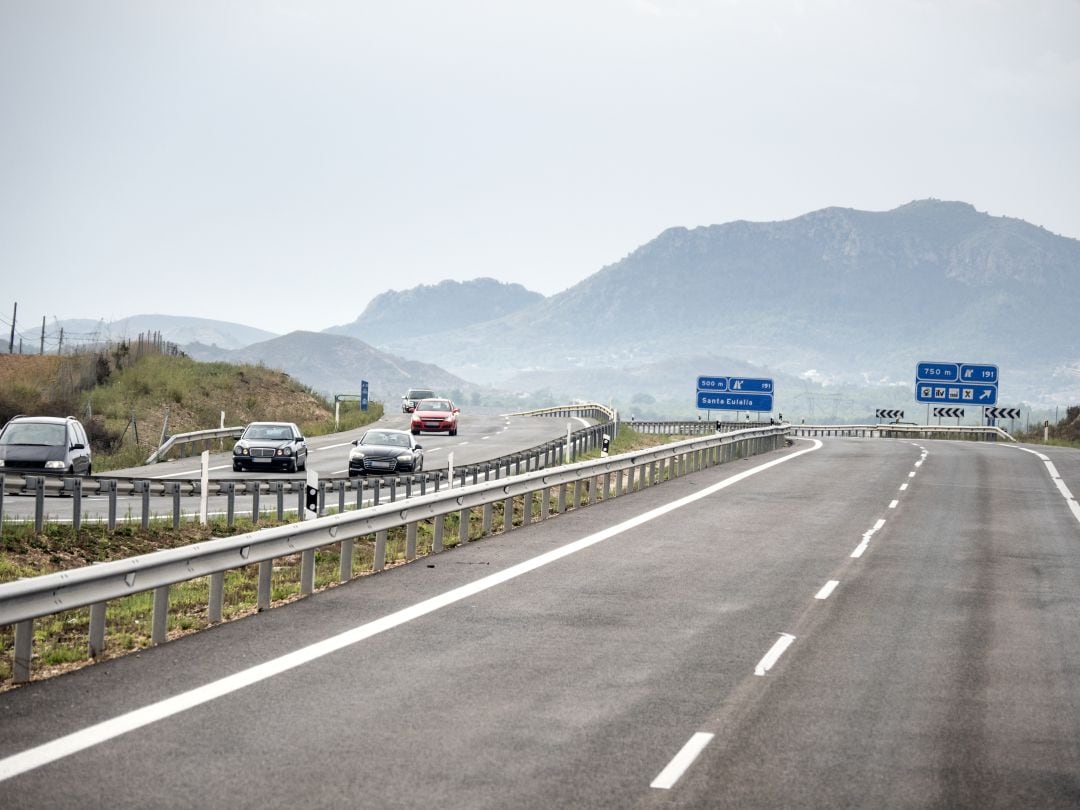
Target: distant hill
[
  {"x": 839, "y": 295},
  {"x": 173, "y": 328},
  {"x": 335, "y": 364},
  {"x": 428, "y": 309}
]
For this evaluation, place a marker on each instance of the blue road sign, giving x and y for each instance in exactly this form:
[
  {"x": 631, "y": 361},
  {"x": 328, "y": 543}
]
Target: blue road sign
[
  {"x": 712, "y": 383},
  {"x": 976, "y": 373},
  {"x": 956, "y": 393},
  {"x": 750, "y": 384},
  {"x": 363, "y": 395},
  {"x": 937, "y": 372},
  {"x": 734, "y": 401}
]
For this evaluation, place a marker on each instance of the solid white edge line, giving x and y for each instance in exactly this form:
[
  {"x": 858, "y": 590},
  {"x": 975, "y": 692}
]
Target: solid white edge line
[
  {"x": 827, "y": 589},
  {"x": 108, "y": 729},
  {"x": 774, "y": 653},
  {"x": 674, "y": 770},
  {"x": 1066, "y": 493}
]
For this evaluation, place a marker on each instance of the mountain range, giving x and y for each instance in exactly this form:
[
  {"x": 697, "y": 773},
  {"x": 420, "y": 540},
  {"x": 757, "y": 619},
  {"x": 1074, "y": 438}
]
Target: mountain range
[{"x": 837, "y": 304}]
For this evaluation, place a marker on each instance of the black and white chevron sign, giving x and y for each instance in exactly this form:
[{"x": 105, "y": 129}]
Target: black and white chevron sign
[
  {"x": 949, "y": 412},
  {"x": 1002, "y": 413},
  {"x": 882, "y": 413}
]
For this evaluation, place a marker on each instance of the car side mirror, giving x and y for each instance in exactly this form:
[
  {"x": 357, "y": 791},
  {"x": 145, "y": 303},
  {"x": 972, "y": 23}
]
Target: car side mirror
[
  {"x": 418, "y": 447},
  {"x": 299, "y": 439},
  {"x": 356, "y": 442}
]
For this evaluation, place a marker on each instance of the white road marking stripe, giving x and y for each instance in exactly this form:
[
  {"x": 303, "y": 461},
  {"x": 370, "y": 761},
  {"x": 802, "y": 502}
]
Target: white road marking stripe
[
  {"x": 903, "y": 487},
  {"x": 108, "y": 729},
  {"x": 827, "y": 589},
  {"x": 892, "y": 504},
  {"x": 671, "y": 774},
  {"x": 773, "y": 655},
  {"x": 191, "y": 472},
  {"x": 1066, "y": 493},
  {"x": 858, "y": 552},
  {"x": 911, "y": 474}
]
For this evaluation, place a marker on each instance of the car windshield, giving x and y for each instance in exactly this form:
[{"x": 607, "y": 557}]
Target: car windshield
[
  {"x": 420, "y": 393},
  {"x": 381, "y": 437},
  {"x": 435, "y": 405},
  {"x": 34, "y": 433},
  {"x": 270, "y": 432}
]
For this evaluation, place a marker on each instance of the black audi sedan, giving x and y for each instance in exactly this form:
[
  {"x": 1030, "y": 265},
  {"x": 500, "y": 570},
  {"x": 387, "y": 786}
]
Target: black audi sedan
[{"x": 385, "y": 451}]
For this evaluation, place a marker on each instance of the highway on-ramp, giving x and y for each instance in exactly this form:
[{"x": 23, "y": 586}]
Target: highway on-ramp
[{"x": 858, "y": 623}]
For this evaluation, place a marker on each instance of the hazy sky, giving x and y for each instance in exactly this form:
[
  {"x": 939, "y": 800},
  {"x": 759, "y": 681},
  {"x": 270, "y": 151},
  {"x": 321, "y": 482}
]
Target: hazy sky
[{"x": 279, "y": 164}]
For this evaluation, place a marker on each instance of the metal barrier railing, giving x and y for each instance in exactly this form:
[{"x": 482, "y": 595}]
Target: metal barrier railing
[{"x": 575, "y": 485}]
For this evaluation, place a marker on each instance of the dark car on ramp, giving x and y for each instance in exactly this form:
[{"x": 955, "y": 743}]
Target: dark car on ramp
[
  {"x": 385, "y": 451},
  {"x": 270, "y": 445}
]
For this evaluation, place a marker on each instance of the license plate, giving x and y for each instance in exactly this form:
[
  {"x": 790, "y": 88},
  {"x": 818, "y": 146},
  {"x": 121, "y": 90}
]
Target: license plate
[
  {"x": 381, "y": 465},
  {"x": 261, "y": 460}
]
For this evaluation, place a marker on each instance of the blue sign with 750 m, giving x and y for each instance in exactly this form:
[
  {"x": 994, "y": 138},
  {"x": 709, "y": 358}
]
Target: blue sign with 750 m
[{"x": 956, "y": 383}]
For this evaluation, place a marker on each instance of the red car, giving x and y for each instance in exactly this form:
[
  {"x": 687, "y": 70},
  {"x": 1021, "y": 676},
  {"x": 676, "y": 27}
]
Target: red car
[{"x": 435, "y": 416}]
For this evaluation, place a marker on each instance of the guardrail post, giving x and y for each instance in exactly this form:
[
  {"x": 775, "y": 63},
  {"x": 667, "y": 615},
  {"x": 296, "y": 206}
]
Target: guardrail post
[
  {"x": 76, "y": 503},
  {"x": 160, "y": 620},
  {"x": 560, "y": 499},
  {"x": 410, "y": 541},
  {"x": 577, "y": 494},
  {"x": 408, "y": 487},
  {"x": 508, "y": 514},
  {"x": 322, "y": 499},
  {"x": 253, "y": 488},
  {"x": 266, "y": 570},
  {"x": 340, "y": 486},
  {"x": 279, "y": 489},
  {"x": 379, "y": 562},
  {"x": 230, "y": 502},
  {"x": 307, "y": 572},
  {"x": 301, "y": 500},
  {"x": 360, "y": 484},
  {"x": 489, "y": 519},
  {"x": 463, "y": 527},
  {"x": 96, "y": 640},
  {"x": 607, "y": 485},
  {"x": 375, "y": 494},
  {"x": 216, "y": 601},
  {"x": 38, "y": 484},
  {"x": 437, "y": 534},
  {"x": 173, "y": 488},
  {"x": 110, "y": 490},
  {"x": 346, "y": 557},
  {"x": 545, "y": 504},
  {"x": 24, "y": 651},
  {"x": 393, "y": 490},
  {"x": 145, "y": 492},
  {"x": 1, "y": 499}
]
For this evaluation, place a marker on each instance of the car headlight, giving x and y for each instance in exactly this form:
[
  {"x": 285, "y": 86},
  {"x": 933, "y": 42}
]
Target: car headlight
[
  {"x": 54, "y": 465},
  {"x": 1, "y": 462},
  {"x": 356, "y": 455},
  {"x": 284, "y": 451},
  {"x": 405, "y": 457},
  {"x": 239, "y": 450}
]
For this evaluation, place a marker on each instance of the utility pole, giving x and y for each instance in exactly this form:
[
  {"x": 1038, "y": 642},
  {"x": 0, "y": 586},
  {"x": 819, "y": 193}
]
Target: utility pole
[
  {"x": 11, "y": 344},
  {"x": 42, "y": 349},
  {"x": 60, "y": 348}
]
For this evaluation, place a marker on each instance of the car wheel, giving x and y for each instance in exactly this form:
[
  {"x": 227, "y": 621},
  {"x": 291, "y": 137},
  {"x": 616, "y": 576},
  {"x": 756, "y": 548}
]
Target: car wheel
[
  {"x": 291, "y": 466},
  {"x": 237, "y": 467},
  {"x": 416, "y": 433},
  {"x": 453, "y": 432},
  {"x": 304, "y": 465}
]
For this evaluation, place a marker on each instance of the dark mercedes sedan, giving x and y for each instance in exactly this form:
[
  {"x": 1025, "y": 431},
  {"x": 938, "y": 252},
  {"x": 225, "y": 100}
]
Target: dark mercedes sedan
[
  {"x": 385, "y": 451},
  {"x": 270, "y": 445}
]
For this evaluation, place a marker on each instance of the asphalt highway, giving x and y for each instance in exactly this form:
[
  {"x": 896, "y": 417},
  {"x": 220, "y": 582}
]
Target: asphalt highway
[{"x": 854, "y": 623}]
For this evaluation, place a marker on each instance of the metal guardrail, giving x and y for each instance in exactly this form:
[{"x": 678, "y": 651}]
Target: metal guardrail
[
  {"x": 547, "y": 454},
  {"x": 23, "y": 601},
  {"x": 194, "y": 437},
  {"x": 894, "y": 431}
]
